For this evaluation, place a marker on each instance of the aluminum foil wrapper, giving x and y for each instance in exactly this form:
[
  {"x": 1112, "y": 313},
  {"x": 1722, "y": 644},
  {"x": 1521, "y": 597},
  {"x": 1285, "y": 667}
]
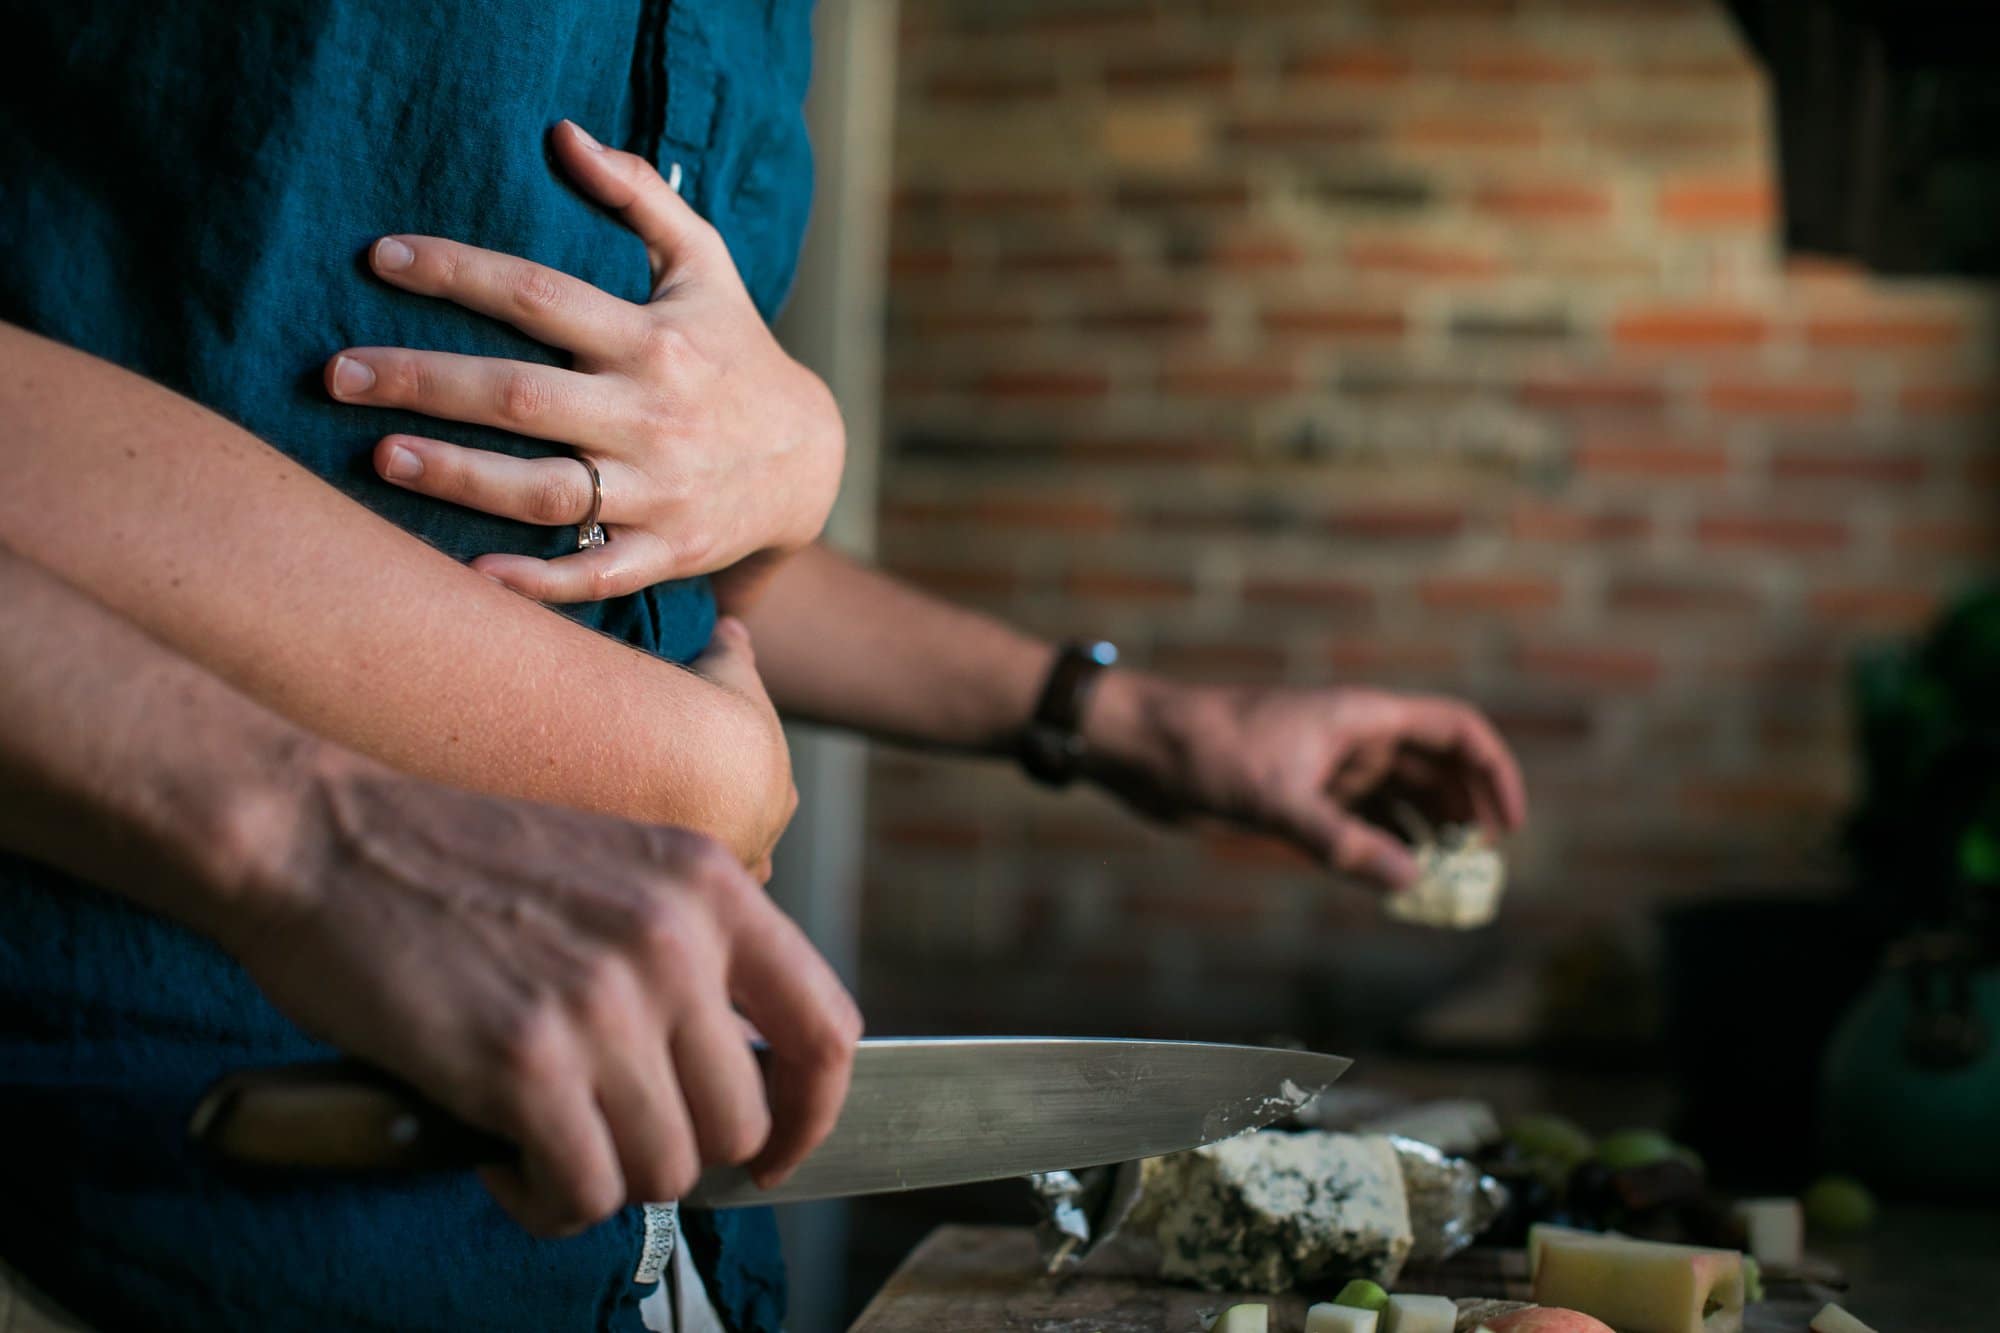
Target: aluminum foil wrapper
[
  {"x": 1451, "y": 1203},
  {"x": 1076, "y": 1211},
  {"x": 1451, "y": 1200}
]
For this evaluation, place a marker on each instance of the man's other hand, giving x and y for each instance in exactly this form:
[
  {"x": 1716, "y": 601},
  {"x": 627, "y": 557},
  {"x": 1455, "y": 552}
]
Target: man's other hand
[{"x": 1322, "y": 768}]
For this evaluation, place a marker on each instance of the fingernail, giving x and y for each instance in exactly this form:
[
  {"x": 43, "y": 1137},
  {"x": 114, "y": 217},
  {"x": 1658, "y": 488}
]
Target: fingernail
[
  {"x": 584, "y": 135},
  {"x": 392, "y": 256},
  {"x": 402, "y": 464},
  {"x": 351, "y": 376}
]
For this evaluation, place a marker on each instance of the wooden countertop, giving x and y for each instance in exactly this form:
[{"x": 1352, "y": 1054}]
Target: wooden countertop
[{"x": 1923, "y": 1271}]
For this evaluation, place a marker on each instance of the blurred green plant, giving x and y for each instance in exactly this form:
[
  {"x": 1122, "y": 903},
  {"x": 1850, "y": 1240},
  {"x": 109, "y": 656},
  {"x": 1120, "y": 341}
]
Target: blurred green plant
[{"x": 1926, "y": 833}]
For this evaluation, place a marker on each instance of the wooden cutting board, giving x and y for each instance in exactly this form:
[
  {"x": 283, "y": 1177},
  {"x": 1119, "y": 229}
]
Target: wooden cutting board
[{"x": 988, "y": 1280}]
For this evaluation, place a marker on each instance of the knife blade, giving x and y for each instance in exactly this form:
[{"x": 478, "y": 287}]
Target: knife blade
[{"x": 920, "y": 1112}]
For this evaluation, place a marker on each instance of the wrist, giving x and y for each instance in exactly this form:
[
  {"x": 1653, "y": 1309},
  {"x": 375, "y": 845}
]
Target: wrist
[
  {"x": 261, "y": 835},
  {"x": 1134, "y": 726}
]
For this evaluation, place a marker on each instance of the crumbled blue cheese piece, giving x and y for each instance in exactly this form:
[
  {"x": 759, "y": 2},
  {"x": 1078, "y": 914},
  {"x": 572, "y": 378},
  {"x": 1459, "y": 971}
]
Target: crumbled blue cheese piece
[
  {"x": 1265, "y": 1211},
  {"x": 1459, "y": 879}
]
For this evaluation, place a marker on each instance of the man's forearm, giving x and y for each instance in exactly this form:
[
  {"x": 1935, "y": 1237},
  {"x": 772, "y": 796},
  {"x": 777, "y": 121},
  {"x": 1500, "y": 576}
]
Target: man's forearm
[
  {"x": 849, "y": 646},
  {"x": 127, "y": 765},
  {"x": 230, "y": 553}
]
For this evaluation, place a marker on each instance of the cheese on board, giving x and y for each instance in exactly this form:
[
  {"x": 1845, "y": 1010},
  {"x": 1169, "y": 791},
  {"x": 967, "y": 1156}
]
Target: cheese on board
[
  {"x": 1420, "y": 1314},
  {"x": 1833, "y": 1319},
  {"x": 1326, "y": 1317},
  {"x": 1775, "y": 1229},
  {"x": 1266, "y": 1211},
  {"x": 1642, "y": 1286}
]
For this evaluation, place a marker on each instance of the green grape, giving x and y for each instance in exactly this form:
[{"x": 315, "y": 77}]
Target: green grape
[
  {"x": 1629, "y": 1148},
  {"x": 1753, "y": 1279},
  {"x": 1553, "y": 1138},
  {"x": 1362, "y": 1294},
  {"x": 1839, "y": 1206}
]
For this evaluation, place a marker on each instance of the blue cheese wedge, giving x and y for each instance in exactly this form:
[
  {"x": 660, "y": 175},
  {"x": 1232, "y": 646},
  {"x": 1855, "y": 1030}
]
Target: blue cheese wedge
[{"x": 1266, "y": 1211}]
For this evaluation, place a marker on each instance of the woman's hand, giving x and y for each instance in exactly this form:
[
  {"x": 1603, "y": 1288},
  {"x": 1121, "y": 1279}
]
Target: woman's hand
[
  {"x": 719, "y": 454},
  {"x": 1322, "y": 769}
]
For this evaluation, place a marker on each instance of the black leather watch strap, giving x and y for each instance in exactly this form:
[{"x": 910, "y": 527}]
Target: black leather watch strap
[{"x": 1051, "y": 747}]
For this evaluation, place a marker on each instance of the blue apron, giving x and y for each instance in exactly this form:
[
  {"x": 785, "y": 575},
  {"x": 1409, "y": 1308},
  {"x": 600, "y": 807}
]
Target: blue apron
[{"x": 188, "y": 190}]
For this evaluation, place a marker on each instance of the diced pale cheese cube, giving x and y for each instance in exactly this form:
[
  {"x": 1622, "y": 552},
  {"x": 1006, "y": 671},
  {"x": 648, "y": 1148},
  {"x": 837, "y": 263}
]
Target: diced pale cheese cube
[
  {"x": 1244, "y": 1319},
  {"x": 1326, "y": 1317},
  {"x": 1541, "y": 1231},
  {"x": 1420, "y": 1314},
  {"x": 1833, "y": 1319},
  {"x": 1640, "y": 1286},
  {"x": 1776, "y": 1229}
]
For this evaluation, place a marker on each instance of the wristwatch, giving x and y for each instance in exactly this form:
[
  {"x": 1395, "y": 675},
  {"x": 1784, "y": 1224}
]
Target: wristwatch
[{"x": 1051, "y": 746}]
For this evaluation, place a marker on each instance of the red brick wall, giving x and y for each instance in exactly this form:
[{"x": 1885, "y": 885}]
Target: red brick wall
[{"x": 1437, "y": 344}]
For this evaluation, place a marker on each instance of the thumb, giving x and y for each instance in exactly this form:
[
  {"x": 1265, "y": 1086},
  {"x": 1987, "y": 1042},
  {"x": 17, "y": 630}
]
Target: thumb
[
  {"x": 729, "y": 660},
  {"x": 1353, "y": 846}
]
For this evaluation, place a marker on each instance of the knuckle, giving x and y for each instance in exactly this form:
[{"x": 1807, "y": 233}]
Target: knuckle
[
  {"x": 744, "y": 1135},
  {"x": 604, "y": 582},
  {"x": 535, "y": 291},
  {"x": 523, "y": 398},
  {"x": 532, "y": 1044},
  {"x": 450, "y": 265},
  {"x": 591, "y": 1196},
  {"x": 680, "y": 1176},
  {"x": 664, "y": 346},
  {"x": 555, "y": 498}
]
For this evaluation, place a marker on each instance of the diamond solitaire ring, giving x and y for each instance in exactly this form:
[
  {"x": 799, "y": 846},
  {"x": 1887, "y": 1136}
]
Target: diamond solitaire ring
[{"x": 590, "y": 532}]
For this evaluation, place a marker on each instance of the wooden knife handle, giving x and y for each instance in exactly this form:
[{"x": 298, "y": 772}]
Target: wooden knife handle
[{"x": 335, "y": 1117}]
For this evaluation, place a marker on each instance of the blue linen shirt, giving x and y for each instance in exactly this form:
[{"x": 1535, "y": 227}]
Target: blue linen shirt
[{"x": 189, "y": 190}]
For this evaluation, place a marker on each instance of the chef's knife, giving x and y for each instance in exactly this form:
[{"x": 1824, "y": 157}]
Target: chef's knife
[{"x": 920, "y": 1113}]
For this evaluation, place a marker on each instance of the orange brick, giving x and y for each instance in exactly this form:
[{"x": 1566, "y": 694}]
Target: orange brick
[
  {"x": 1235, "y": 847},
  {"x": 1228, "y": 380},
  {"x": 1200, "y": 74},
  {"x": 1763, "y": 530},
  {"x": 1164, "y": 196},
  {"x": 934, "y": 834},
  {"x": 1317, "y": 593},
  {"x": 1252, "y": 251},
  {"x": 1762, "y": 798},
  {"x": 1044, "y": 384},
  {"x": 1885, "y": 331},
  {"x": 961, "y": 86},
  {"x": 982, "y": 584},
  {"x": 1522, "y": 67},
  {"x": 1388, "y": 659},
  {"x": 1142, "y": 450},
  {"x": 1350, "y": 63},
  {"x": 1871, "y": 469},
  {"x": 1705, "y": 70},
  {"x": 1690, "y": 327},
  {"x": 1599, "y": 668},
  {"x": 1555, "y": 523},
  {"x": 1613, "y": 456},
  {"x": 1551, "y": 202},
  {"x": 1950, "y": 400},
  {"x": 1421, "y": 259},
  {"x": 1875, "y": 606},
  {"x": 1234, "y": 662},
  {"x": 1489, "y": 593},
  {"x": 920, "y": 262},
  {"x": 1594, "y": 393},
  {"x": 1949, "y": 537},
  {"x": 1469, "y": 132},
  {"x": 1334, "y": 321},
  {"x": 1738, "y": 203},
  {"x": 1392, "y": 522},
  {"x": 1121, "y": 586},
  {"x": 1059, "y": 259},
  {"x": 989, "y": 320},
  {"x": 1663, "y": 596},
  {"x": 1298, "y": 131},
  {"x": 1144, "y": 319},
  {"x": 1766, "y": 398}
]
